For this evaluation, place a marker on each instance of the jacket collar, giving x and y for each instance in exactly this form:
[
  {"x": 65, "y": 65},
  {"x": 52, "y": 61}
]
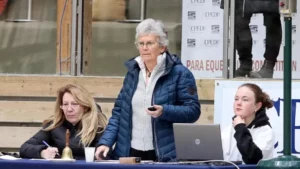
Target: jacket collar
[
  {"x": 171, "y": 60},
  {"x": 261, "y": 119},
  {"x": 70, "y": 125}
]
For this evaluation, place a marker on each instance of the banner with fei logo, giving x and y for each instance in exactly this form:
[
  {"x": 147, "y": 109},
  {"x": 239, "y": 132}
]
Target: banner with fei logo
[
  {"x": 225, "y": 91},
  {"x": 202, "y": 40}
]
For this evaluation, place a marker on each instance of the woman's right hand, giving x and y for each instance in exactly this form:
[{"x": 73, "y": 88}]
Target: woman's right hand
[
  {"x": 49, "y": 153},
  {"x": 101, "y": 152},
  {"x": 238, "y": 120}
]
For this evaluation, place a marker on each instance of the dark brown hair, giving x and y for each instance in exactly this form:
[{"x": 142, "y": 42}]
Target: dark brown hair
[{"x": 259, "y": 95}]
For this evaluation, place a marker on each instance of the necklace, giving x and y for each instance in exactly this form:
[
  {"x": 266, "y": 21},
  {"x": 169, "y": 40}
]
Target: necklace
[{"x": 149, "y": 73}]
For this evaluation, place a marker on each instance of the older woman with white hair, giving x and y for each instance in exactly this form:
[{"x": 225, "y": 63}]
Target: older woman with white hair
[{"x": 157, "y": 92}]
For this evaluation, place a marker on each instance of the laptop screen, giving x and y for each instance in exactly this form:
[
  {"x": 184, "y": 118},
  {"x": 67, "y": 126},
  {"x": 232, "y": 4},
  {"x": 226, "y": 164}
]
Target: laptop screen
[{"x": 198, "y": 142}]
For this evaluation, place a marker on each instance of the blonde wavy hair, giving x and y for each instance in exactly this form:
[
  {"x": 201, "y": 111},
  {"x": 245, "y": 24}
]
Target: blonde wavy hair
[{"x": 92, "y": 119}]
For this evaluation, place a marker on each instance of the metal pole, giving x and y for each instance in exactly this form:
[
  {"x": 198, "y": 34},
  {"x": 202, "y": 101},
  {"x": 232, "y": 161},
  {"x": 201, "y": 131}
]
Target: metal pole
[
  {"x": 142, "y": 14},
  {"x": 29, "y": 10},
  {"x": 225, "y": 39},
  {"x": 287, "y": 161},
  {"x": 79, "y": 39},
  {"x": 28, "y": 19},
  {"x": 73, "y": 38},
  {"x": 143, "y": 11},
  {"x": 287, "y": 86},
  {"x": 231, "y": 47}
]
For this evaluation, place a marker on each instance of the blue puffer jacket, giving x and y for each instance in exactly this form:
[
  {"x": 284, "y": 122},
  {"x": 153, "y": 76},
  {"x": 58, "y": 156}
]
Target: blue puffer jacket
[{"x": 175, "y": 90}]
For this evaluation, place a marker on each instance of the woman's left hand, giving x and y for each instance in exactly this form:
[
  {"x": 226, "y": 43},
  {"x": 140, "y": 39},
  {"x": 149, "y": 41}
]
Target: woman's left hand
[{"x": 157, "y": 112}]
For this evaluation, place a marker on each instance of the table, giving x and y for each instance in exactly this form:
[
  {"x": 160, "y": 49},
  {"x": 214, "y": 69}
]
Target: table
[{"x": 31, "y": 164}]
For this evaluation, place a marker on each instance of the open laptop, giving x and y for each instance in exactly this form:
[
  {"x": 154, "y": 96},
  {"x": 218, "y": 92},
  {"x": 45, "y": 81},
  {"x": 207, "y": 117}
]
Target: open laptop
[{"x": 195, "y": 142}]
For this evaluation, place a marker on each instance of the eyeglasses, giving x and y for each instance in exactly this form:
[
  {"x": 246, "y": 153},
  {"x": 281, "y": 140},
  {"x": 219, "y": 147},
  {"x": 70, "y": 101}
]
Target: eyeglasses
[
  {"x": 142, "y": 44},
  {"x": 65, "y": 106}
]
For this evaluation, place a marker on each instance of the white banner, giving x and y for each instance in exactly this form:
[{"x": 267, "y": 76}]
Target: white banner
[
  {"x": 202, "y": 40},
  {"x": 224, "y": 99}
]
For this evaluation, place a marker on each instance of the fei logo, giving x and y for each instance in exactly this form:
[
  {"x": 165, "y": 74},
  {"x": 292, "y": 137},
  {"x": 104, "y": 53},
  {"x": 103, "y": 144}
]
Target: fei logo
[
  {"x": 293, "y": 122},
  {"x": 253, "y": 28},
  {"x": 294, "y": 30},
  {"x": 191, "y": 42},
  {"x": 191, "y": 15},
  {"x": 216, "y": 2},
  {"x": 215, "y": 28}
]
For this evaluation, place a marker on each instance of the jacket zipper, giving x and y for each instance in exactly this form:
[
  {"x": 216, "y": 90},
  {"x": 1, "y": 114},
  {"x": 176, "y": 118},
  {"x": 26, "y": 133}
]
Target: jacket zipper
[
  {"x": 154, "y": 128},
  {"x": 155, "y": 138},
  {"x": 154, "y": 120}
]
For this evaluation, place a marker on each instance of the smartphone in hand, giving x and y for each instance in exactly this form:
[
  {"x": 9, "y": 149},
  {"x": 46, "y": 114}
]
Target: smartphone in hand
[{"x": 152, "y": 108}]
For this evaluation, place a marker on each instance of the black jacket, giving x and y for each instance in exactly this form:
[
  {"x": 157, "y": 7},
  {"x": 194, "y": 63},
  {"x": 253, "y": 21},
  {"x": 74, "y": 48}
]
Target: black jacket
[
  {"x": 251, "y": 154},
  {"x": 56, "y": 138}
]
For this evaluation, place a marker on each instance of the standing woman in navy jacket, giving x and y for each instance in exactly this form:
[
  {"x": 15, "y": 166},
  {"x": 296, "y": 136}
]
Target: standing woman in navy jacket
[{"x": 154, "y": 78}]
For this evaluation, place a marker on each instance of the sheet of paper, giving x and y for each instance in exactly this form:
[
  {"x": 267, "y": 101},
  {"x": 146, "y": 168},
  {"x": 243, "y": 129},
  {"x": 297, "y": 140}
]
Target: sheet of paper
[
  {"x": 39, "y": 159},
  {"x": 8, "y": 157},
  {"x": 54, "y": 160},
  {"x": 61, "y": 160},
  {"x": 108, "y": 161}
]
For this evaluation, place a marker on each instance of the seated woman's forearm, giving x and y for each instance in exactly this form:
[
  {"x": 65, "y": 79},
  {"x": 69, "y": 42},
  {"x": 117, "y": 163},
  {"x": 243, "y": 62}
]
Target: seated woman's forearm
[{"x": 251, "y": 154}]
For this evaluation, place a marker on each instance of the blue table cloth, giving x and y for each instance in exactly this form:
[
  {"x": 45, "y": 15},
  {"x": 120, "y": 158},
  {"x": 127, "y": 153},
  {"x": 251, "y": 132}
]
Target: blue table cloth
[{"x": 32, "y": 164}]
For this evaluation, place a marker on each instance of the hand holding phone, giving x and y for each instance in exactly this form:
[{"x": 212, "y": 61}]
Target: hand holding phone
[
  {"x": 152, "y": 108},
  {"x": 155, "y": 110}
]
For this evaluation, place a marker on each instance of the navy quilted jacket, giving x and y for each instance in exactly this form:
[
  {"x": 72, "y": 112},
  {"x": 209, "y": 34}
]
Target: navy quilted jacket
[{"x": 175, "y": 90}]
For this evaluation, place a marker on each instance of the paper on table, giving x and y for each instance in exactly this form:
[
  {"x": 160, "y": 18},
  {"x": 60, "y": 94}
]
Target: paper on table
[
  {"x": 38, "y": 159},
  {"x": 55, "y": 160},
  {"x": 8, "y": 157},
  {"x": 108, "y": 161},
  {"x": 61, "y": 160}
]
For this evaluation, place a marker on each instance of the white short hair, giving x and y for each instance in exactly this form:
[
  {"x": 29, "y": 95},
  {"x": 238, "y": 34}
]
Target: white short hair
[{"x": 155, "y": 27}]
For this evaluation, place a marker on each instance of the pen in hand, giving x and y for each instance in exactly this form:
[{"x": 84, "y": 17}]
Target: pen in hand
[{"x": 49, "y": 146}]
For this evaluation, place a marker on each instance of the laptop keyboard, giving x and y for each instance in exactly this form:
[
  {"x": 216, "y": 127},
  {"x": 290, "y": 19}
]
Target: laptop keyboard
[
  {"x": 212, "y": 163},
  {"x": 199, "y": 163},
  {"x": 223, "y": 163}
]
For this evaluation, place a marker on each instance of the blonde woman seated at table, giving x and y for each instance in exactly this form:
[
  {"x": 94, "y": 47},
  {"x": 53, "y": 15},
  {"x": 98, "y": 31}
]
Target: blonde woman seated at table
[
  {"x": 75, "y": 110},
  {"x": 250, "y": 138}
]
